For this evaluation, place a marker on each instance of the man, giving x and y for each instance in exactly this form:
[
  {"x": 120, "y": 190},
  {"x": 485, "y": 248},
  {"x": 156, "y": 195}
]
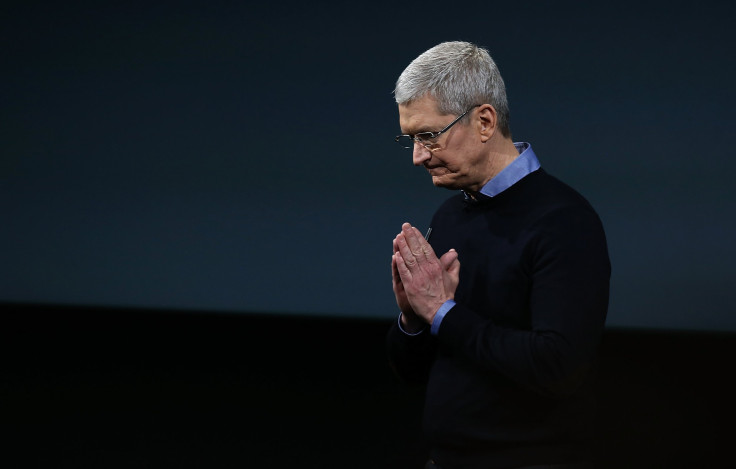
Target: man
[{"x": 504, "y": 327}]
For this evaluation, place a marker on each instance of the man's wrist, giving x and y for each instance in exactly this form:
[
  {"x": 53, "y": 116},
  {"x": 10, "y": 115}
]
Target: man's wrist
[{"x": 409, "y": 326}]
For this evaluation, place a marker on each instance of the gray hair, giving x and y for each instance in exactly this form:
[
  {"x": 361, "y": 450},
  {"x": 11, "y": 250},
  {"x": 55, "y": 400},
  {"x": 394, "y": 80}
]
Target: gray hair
[{"x": 459, "y": 75}]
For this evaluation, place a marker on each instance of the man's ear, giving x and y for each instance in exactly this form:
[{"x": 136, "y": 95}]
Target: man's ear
[{"x": 488, "y": 121}]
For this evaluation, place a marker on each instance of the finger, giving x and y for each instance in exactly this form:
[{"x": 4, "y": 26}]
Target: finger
[
  {"x": 402, "y": 268},
  {"x": 394, "y": 270},
  {"x": 454, "y": 268},
  {"x": 407, "y": 255},
  {"x": 449, "y": 260},
  {"x": 425, "y": 246},
  {"x": 451, "y": 265},
  {"x": 412, "y": 240}
]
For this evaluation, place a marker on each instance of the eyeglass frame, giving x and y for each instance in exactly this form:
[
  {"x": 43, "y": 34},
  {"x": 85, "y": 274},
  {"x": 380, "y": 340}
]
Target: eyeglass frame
[{"x": 432, "y": 135}]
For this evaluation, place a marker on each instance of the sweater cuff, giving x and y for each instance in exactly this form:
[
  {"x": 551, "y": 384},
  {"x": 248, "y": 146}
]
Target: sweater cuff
[{"x": 458, "y": 326}]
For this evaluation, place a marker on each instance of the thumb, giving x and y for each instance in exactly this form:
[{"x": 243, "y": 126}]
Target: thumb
[{"x": 449, "y": 260}]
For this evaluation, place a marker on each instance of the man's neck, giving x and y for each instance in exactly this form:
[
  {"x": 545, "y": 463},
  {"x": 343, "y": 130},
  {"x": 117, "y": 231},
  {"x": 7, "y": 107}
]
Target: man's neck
[{"x": 501, "y": 154}]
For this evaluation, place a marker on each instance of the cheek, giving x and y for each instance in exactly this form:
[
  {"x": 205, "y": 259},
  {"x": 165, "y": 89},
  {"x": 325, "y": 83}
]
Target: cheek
[{"x": 457, "y": 166}]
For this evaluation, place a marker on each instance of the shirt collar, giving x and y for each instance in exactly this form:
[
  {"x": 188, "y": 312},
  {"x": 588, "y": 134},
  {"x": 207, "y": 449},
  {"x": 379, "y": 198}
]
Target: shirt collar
[{"x": 523, "y": 165}]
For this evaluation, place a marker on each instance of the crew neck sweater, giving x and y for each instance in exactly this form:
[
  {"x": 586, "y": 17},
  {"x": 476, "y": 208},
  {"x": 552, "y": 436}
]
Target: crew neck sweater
[{"x": 509, "y": 372}]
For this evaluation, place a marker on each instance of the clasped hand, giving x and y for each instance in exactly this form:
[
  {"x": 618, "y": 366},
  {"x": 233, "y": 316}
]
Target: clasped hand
[{"x": 421, "y": 281}]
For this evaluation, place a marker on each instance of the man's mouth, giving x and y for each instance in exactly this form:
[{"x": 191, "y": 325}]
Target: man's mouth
[{"x": 436, "y": 170}]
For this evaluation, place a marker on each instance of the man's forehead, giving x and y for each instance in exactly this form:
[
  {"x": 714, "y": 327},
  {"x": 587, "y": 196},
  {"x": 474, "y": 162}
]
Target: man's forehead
[{"x": 419, "y": 115}]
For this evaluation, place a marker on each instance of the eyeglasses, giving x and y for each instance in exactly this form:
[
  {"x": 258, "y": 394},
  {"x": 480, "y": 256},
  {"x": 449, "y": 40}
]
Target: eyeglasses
[{"x": 426, "y": 138}]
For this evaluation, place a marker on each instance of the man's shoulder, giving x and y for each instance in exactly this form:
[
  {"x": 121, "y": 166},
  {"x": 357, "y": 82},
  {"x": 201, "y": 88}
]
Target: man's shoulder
[
  {"x": 557, "y": 206},
  {"x": 540, "y": 198},
  {"x": 548, "y": 190}
]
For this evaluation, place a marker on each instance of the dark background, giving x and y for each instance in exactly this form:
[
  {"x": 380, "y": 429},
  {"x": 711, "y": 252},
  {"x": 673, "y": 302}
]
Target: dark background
[
  {"x": 120, "y": 388},
  {"x": 197, "y": 201}
]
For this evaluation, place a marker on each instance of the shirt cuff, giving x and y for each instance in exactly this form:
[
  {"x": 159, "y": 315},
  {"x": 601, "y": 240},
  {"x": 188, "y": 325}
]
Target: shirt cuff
[
  {"x": 446, "y": 306},
  {"x": 409, "y": 333}
]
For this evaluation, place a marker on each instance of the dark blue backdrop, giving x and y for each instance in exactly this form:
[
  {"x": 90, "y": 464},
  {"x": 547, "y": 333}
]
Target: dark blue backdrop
[{"x": 222, "y": 156}]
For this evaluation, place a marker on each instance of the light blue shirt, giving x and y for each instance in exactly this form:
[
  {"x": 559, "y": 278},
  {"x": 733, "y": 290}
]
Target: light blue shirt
[{"x": 523, "y": 165}]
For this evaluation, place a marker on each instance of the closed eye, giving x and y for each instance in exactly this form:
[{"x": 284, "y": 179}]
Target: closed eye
[{"x": 425, "y": 136}]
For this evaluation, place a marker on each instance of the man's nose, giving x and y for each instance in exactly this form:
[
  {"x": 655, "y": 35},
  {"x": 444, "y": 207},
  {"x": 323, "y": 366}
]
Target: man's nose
[{"x": 421, "y": 154}]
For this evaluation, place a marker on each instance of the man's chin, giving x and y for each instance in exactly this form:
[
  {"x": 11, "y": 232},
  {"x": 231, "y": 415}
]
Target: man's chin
[{"x": 444, "y": 182}]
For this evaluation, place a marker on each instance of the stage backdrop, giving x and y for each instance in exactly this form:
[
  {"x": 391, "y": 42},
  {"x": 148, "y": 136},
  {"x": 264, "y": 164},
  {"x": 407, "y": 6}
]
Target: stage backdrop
[{"x": 230, "y": 157}]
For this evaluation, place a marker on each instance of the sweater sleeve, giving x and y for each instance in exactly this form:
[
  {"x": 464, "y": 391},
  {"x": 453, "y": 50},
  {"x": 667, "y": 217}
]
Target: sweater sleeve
[
  {"x": 410, "y": 356},
  {"x": 568, "y": 301}
]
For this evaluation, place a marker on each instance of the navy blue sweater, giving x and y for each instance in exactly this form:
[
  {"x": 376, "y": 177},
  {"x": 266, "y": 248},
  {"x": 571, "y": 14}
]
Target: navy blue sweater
[{"x": 509, "y": 373}]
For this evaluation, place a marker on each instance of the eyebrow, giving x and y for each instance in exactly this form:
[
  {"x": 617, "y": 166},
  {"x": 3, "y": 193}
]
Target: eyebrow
[{"x": 418, "y": 131}]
